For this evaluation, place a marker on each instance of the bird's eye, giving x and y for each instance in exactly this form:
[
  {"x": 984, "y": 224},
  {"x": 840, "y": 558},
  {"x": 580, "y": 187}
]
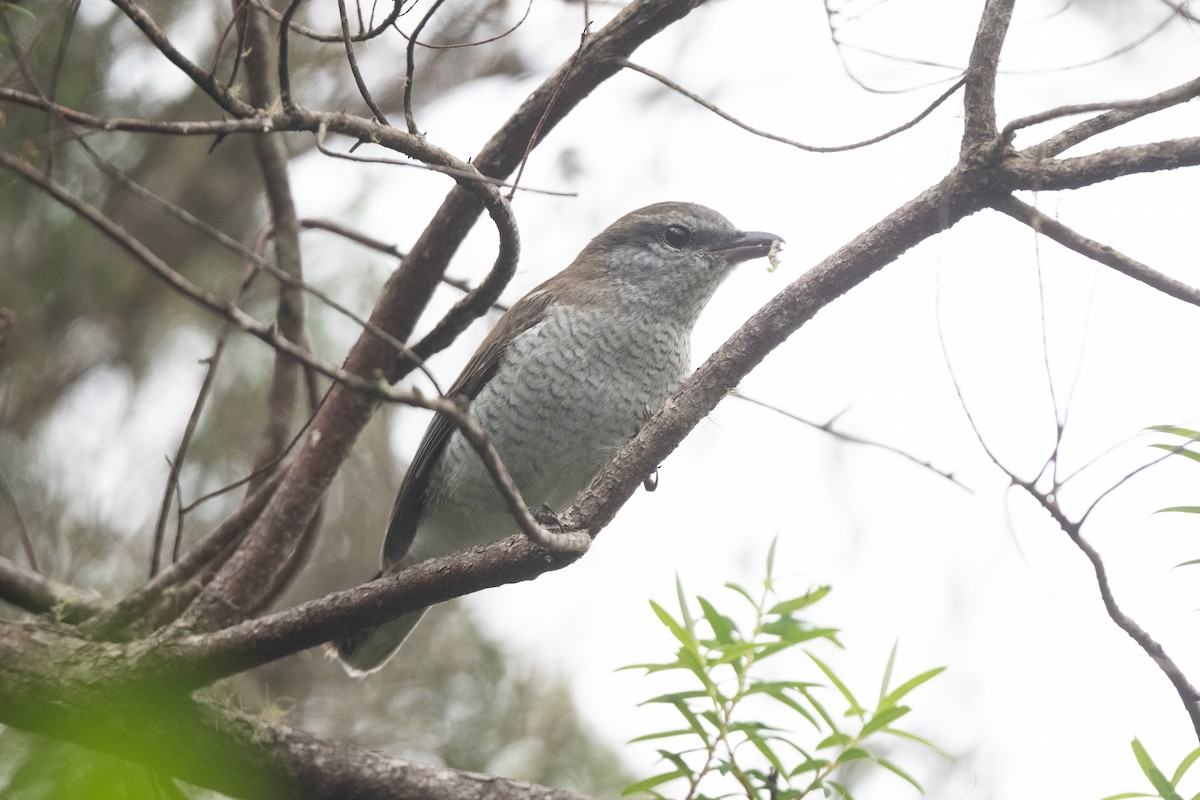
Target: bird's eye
[{"x": 677, "y": 236}]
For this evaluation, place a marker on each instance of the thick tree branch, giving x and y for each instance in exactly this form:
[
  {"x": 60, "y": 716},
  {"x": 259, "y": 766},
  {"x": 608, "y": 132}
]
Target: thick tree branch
[
  {"x": 1037, "y": 174},
  {"x": 47, "y": 686},
  {"x": 979, "y": 101},
  {"x": 38, "y": 594}
]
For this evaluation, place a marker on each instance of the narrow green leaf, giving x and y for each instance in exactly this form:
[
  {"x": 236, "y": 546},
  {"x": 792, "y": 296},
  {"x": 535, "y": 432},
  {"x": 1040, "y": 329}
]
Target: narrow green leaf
[
  {"x": 1128, "y": 796},
  {"x": 882, "y": 719},
  {"x": 909, "y": 685},
  {"x": 766, "y": 750},
  {"x": 650, "y": 783},
  {"x": 842, "y": 792},
  {"x": 1193, "y": 562},
  {"x": 803, "y": 601},
  {"x": 855, "y": 708},
  {"x": 1180, "y": 510},
  {"x": 722, "y": 626},
  {"x": 688, "y": 622},
  {"x": 678, "y": 631},
  {"x": 820, "y": 709},
  {"x": 891, "y": 767},
  {"x": 1184, "y": 766},
  {"x": 737, "y": 588},
  {"x": 1179, "y": 450},
  {"x": 778, "y": 694},
  {"x": 852, "y": 754},
  {"x": 1152, "y": 772},
  {"x": 1174, "y": 430},
  {"x": 771, "y": 557},
  {"x": 662, "y": 735},
  {"x": 835, "y": 740},
  {"x": 887, "y": 672},
  {"x": 811, "y": 765}
]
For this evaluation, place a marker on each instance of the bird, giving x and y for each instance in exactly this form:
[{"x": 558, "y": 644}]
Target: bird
[{"x": 567, "y": 376}]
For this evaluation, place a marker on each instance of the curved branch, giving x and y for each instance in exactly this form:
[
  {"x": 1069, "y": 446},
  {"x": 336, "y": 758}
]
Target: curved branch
[{"x": 841, "y": 148}]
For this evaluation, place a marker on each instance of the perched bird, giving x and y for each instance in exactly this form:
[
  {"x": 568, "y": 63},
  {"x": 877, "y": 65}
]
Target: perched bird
[{"x": 566, "y": 378}]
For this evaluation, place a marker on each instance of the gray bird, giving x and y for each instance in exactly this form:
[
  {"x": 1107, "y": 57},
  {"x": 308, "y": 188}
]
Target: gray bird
[{"x": 566, "y": 378}]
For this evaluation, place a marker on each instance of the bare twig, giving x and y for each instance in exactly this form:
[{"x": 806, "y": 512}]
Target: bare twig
[
  {"x": 1100, "y": 253},
  {"x": 376, "y": 111},
  {"x": 135, "y": 605},
  {"x": 410, "y": 68},
  {"x": 332, "y": 38},
  {"x": 169, "y": 492},
  {"x": 284, "y": 73},
  {"x": 672, "y": 85},
  {"x": 1126, "y": 112},
  {"x": 828, "y": 428},
  {"x": 198, "y": 75},
  {"x": 1132, "y": 109},
  {"x": 451, "y": 171}
]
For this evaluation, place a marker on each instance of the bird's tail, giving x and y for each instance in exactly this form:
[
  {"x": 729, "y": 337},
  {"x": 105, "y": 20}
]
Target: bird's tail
[{"x": 366, "y": 650}]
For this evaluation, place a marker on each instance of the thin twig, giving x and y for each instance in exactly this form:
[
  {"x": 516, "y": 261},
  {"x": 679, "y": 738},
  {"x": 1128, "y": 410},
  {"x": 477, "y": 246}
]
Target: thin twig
[
  {"x": 380, "y": 117},
  {"x": 332, "y": 38},
  {"x": 322, "y": 132},
  {"x": 410, "y": 67},
  {"x": 134, "y": 605},
  {"x": 537, "y": 129},
  {"x": 810, "y": 148},
  {"x": 827, "y": 428},
  {"x": 189, "y": 430}
]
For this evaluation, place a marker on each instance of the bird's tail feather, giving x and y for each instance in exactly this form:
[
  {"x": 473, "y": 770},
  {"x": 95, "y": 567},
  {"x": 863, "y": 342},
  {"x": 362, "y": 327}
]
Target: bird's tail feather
[{"x": 366, "y": 650}]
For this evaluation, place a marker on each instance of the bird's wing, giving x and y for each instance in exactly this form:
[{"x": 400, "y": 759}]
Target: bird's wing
[{"x": 410, "y": 502}]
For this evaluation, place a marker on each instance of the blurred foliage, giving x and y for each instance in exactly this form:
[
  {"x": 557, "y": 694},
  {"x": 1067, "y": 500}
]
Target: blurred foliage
[
  {"x": 730, "y": 741},
  {"x": 98, "y": 372},
  {"x": 1164, "y": 787}
]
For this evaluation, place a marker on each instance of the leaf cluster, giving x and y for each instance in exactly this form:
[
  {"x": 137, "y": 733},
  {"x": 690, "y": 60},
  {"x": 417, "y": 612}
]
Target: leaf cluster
[{"x": 725, "y": 745}]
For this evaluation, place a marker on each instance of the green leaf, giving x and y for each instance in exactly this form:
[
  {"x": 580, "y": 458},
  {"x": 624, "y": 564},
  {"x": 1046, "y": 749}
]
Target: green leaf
[
  {"x": 777, "y": 692},
  {"x": 1128, "y": 796},
  {"x": 662, "y": 735},
  {"x": 820, "y": 709},
  {"x": 1180, "y": 510},
  {"x": 1179, "y": 450},
  {"x": 909, "y": 685},
  {"x": 771, "y": 558},
  {"x": 1193, "y": 562},
  {"x": 811, "y": 765},
  {"x": 683, "y": 605},
  {"x": 1175, "y": 431},
  {"x": 803, "y": 601},
  {"x": 887, "y": 672},
  {"x": 766, "y": 750},
  {"x": 835, "y": 740},
  {"x": 650, "y": 783},
  {"x": 1184, "y": 766},
  {"x": 1152, "y": 772},
  {"x": 723, "y": 627},
  {"x": 737, "y": 588},
  {"x": 891, "y": 767},
  {"x": 855, "y": 708},
  {"x": 928, "y": 745},
  {"x": 842, "y": 792},
  {"x": 678, "y": 631},
  {"x": 852, "y": 754},
  {"x": 882, "y": 719}
]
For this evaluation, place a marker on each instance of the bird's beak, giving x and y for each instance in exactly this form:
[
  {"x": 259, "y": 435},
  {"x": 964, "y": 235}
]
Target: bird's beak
[{"x": 747, "y": 245}]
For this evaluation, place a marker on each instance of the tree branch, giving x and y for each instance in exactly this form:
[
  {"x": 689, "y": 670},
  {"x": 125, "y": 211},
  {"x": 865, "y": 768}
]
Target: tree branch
[
  {"x": 979, "y": 101},
  {"x": 38, "y": 594},
  {"x": 1096, "y": 251}
]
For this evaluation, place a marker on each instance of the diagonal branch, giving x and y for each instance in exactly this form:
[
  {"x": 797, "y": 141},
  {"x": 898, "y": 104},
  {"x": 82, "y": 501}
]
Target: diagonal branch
[
  {"x": 1096, "y": 251},
  {"x": 38, "y": 594}
]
